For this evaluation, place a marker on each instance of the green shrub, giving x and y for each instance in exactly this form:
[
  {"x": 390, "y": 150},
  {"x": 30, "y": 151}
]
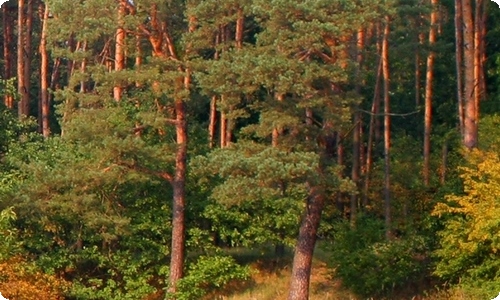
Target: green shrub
[
  {"x": 371, "y": 266},
  {"x": 209, "y": 273}
]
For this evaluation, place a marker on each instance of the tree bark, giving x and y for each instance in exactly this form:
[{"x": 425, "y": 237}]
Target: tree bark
[
  {"x": 371, "y": 133},
  {"x": 387, "y": 129},
  {"x": 179, "y": 180},
  {"x": 213, "y": 102},
  {"x": 8, "y": 35},
  {"x": 44, "y": 69},
  {"x": 470, "y": 121},
  {"x": 429, "y": 93},
  {"x": 22, "y": 88},
  {"x": 179, "y": 198},
  {"x": 356, "y": 135},
  {"x": 417, "y": 69},
  {"x": 306, "y": 241},
  {"x": 478, "y": 55},
  {"x": 459, "y": 48},
  {"x": 119, "y": 49}
]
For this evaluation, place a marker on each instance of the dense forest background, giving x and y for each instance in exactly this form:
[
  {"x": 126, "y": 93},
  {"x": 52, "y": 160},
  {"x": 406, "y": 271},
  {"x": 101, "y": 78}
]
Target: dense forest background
[{"x": 145, "y": 143}]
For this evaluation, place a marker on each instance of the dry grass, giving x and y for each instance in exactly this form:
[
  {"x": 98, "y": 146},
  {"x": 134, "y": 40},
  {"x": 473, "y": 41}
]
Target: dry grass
[{"x": 271, "y": 276}]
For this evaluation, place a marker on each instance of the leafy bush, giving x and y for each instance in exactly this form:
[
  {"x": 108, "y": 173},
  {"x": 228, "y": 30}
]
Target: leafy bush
[
  {"x": 469, "y": 243},
  {"x": 371, "y": 266},
  {"x": 209, "y": 273},
  {"x": 23, "y": 280}
]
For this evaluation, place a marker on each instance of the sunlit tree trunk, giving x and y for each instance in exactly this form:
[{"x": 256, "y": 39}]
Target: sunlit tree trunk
[
  {"x": 387, "y": 128},
  {"x": 44, "y": 69},
  {"x": 119, "y": 49},
  {"x": 179, "y": 180},
  {"x": 459, "y": 48},
  {"x": 429, "y": 77},
  {"x": 83, "y": 67},
  {"x": 22, "y": 88},
  {"x": 356, "y": 134},
  {"x": 470, "y": 121},
  {"x": 371, "y": 133},
  {"x": 479, "y": 92}
]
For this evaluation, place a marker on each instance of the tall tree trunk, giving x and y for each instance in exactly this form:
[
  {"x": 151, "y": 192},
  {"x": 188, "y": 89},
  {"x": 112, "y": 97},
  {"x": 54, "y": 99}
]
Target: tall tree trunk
[
  {"x": 22, "y": 88},
  {"x": 387, "y": 129},
  {"x": 371, "y": 133},
  {"x": 119, "y": 49},
  {"x": 470, "y": 121},
  {"x": 356, "y": 136},
  {"x": 44, "y": 69},
  {"x": 459, "y": 48},
  {"x": 179, "y": 198},
  {"x": 8, "y": 35},
  {"x": 478, "y": 54},
  {"x": 179, "y": 180},
  {"x": 428, "y": 93},
  {"x": 213, "y": 102}
]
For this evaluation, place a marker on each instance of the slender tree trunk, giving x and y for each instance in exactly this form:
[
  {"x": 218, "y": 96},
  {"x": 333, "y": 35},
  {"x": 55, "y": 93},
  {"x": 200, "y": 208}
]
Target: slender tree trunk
[
  {"x": 212, "y": 121},
  {"x": 371, "y": 133},
  {"x": 54, "y": 77},
  {"x": 417, "y": 69},
  {"x": 340, "y": 162},
  {"x": 356, "y": 137},
  {"x": 306, "y": 241},
  {"x": 223, "y": 127},
  {"x": 27, "y": 36},
  {"x": 44, "y": 69},
  {"x": 23, "y": 105},
  {"x": 119, "y": 49},
  {"x": 387, "y": 128},
  {"x": 8, "y": 23},
  {"x": 83, "y": 66},
  {"x": 213, "y": 102},
  {"x": 179, "y": 180},
  {"x": 459, "y": 48},
  {"x": 179, "y": 198},
  {"x": 470, "y": 121},
  {"x": 240, "y": 24},
  {"x": 378, "y": 123},
  {"x": 429, "y": 93},
  {"x": 478, "y": 55}
]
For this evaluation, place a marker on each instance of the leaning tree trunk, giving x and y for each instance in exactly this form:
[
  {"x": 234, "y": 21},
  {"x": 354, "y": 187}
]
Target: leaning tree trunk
[{"x": 304, "y": 249}]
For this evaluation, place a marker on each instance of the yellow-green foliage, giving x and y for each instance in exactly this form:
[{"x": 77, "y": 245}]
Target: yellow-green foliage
[
  {"x": 470, "y": 241},
  {"x": 22, "y": 280}
]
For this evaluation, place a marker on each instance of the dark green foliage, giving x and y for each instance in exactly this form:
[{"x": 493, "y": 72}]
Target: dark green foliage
[
  {"x": 207, "y": 274},
  {"x": 371, "y": 266}
]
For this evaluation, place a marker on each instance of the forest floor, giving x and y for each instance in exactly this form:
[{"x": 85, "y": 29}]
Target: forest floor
[{"x": 270, "y": 277}]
